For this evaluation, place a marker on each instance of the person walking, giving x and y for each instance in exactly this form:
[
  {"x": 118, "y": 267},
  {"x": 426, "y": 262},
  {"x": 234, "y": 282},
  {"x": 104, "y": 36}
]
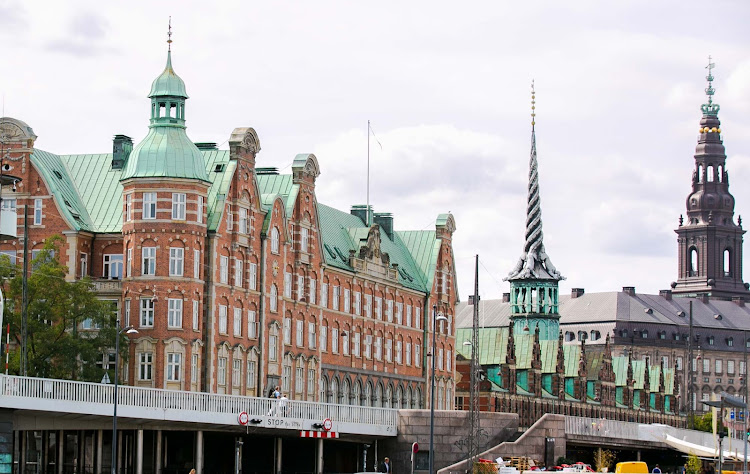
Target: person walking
[
  {"x": 283, "y": 404},
  {"x": 386, "y": 466},
  {"x": 656, "y": 470},
  {"x": 275, "y": 395}
]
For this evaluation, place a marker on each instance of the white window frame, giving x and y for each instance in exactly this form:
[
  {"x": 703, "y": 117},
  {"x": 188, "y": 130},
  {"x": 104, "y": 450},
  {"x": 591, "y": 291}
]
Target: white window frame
[
  {"x": 224, "y": 269},
  {"x": 129, "y": 262},
  {"x": 238, "y": 267},
  {"x": 149, "y": 206},
  {"x": 300, "y": 287},
  {"x": 174, "y": 313},
  {"x": 408, "y": 315},
  {"x": 324, "y": 338},
  {"x": 128, "y": 208},
  {"x": 273, "y": 297},
  {"x": 273, "y": 347},
  {"x": 145, "y": 366},
  {"x": 236, "y": 372},
  {"x": 237, "y": 322},
  {"x": 324, "y": 295},
  {"x": 176, "y": 261},
  {"x": 379, "y": 308},
  {"x": 399, "y": 313},
  {"x": 199, "y": 210},
  {"x": 299, "y": 333},
  {"x": 222, "y": 319},
  {"x": 253, "y": 276},
  {"x": 244, "y": 221},
  {"x": 196, "y": 315},
  {"x": 335, "y": 340},
  {"x": 417, "y": 359},
  {"x": 304, "y": 239},
  {"x": 252, "y": 324},
  {"x": 148, "y": 259},
  {"x": 299, "y": 379},
  {"x": 287, "y": 331},
  {"x": 312, "y": 337},
  {"x": 196, "y": 264},
  {"x": 38, "y": 211},
  {"x": 335, "y": 297},
  {"x": 274, "y": 240},
  {"x": 222, "y": 372},
  {"x": 251, "y": 373},
  {"x": 174, "y": 366},
  {"x": 287, "y": 285},
  {"x": 368, "y": 306},
  {"x": 178, "y": 206},
  {"x": 347, "y": 300},
  {"x": 146, "y": 313},
  {"x": 313, "y": 289},
  {"x": 111, "y": 262}
]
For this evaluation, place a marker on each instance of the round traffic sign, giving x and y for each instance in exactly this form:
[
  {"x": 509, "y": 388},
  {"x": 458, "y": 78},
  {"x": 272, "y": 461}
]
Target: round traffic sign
[
  {"x": 415, "y": 448},
  {"x": 327, "y": 424},
  {"x": 243, "y": 418}
]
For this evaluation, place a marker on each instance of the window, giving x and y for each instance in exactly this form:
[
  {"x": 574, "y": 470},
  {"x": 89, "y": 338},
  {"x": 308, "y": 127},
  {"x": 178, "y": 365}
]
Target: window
[
  {"x": 335, "y": 297},
  {"x": 145, "y": 365},
  {"x": 379, "y": 307},
  {"x": 324, "y": 338},
  {"x": 448, "y": 358},
  {"x": 238, "y": 264},
  {"x": 368, "y": 306},
  {"x": 196, "y": 264},
  {"x": 130, "y": 262},
  {"x": 178, "y": 206},
  {"x": 176, "y": 261},
  {"x": 300, "y": 287},
  {"x": 310, "y": 382},
  {"x": 149, "y": 260},
  {"x": 194, "y": 368},
  {"x": 313, "y": 284},
  {"x": 730, "y": 342},
  {"x": 85, "y": 264},
  {"x": 399, "y": 313},
  {"x": 311, "y": 336},
  {"x": 345, "y": 342},
  {"x": 389, "y": 350},
  {"x": 236, "y": 372},
  {"x": 742, "y": 367},
  {"x": 710, "y": 340},
  {"x": 730, "y": 367},
  {"x": 9, "y": 204},
  {"x": 199, "y": 218},
  {"x": 399, "y": 348},
  {"x": 299, "y": 379},
  {"x": 251, "y": 373},
  {"x": 706, "y": 366},
  {"x": 287, "y": 331},
  {"x": 129, "y": 207},
  {"x": 273, "y": 298},
  {"x": 11, "y": 254},
  {"x": 147, "y": 312},
  {"x": 222, "y": 371},
  {"x": 113, "y": 266},
  {"x": 222, "y": 319},
  {"x": 149, "y": 205},
  {"x": 368, "y": 346},
  {"x": 37, "y": 211},
  {"x": 347, "y": 300},
  {"x": 196, "y": 315},
  {"x": 358, "y": 303},
  {"x": 174, "y": 316},
  {"x": 237, "y": 322},
  {"x": 174, "y": 363},
  {"x": 334, "y": 340},
  {"x": 389, "y": 310},
  {"x": 356, "y": 344},
  {"x": 718, "y": 365},
  {"x": 273, "y": 342},
  {"x": 299, "y": 333},
  {"x": 287, "y": 285},
  {"x": 275, "y": 240},
  {"x": 224, "y": 269},
  {"x": 324, "y": 296},
  {"x": 127, "y": 312},
  {"x": 303, "y": 234},
  {"x": 408, "y": 315},
  {"x": 253, "y": 278},
  {"x": 286, "y": 378},
  {"x": 417, "y": 359},
  {"x": 417, "y": 320},
  {"x": 252, "y": 324},
  {"x": 244, "y": 223},
  {"x": 379, "y": 348},
  {"x": 407, "y": 349}
]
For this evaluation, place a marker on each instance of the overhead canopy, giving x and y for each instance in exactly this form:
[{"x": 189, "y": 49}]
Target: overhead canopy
[{"x": 699, "y": 450}]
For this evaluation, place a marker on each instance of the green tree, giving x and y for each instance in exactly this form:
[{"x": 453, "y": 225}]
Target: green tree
[
  {"x": 693, "y": 465},
  {"x": 704, "y": 422},
  {"x": 68, "y": 328}
]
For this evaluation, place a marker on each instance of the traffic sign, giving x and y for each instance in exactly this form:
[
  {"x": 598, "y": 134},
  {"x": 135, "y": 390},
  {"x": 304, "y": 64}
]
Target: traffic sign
[{"x": 243, "y": 418}]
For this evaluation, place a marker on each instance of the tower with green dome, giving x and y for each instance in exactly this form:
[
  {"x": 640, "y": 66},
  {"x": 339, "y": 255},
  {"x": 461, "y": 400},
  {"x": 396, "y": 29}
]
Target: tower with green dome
[{"x": 534, "y": 280}]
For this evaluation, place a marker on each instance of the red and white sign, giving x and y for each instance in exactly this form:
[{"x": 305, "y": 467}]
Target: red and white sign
[
  {"x": 243, "y": 418},
  {"x": 318, "y": 434},
  {"x": 327, "y": 424}
]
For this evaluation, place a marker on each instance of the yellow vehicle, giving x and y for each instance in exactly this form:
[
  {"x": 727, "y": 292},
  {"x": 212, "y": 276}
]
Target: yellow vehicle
[{"x": 631, "y": 467}]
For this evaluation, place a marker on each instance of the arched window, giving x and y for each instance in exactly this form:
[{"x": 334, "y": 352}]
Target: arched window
[
  {"x": 346, "y": 392},
  {"x": 418, "y": 402},
  {"x": 409, "y": 397},
  {"x": 357, "y": 393},
  {"x": 399, "y": 398},
  {"x": 333, "y": 395},
  {"x": 324, "y": 388},
  {"x": 710, "y": 173},
  {"x": 693, "y": 262},
  {"x": 388, "y": 397},
  {"x": 570, "y": 336},
  {"x": 727, "y": 262},
  {"x": 273, "y": 297},
  {"x": 700, "y": 173},
  {"x": 582, "y": 336},
  {"x": 378, "y": 395},
  {"x": 595, "y": 335},
  {"x": 275, "y": 240},
  {"x": 368, "y": 394}
]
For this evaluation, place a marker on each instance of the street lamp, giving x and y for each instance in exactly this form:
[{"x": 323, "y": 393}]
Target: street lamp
[
  {"x": 435, "y": 318},
  {"x": 119, "y": 332}
]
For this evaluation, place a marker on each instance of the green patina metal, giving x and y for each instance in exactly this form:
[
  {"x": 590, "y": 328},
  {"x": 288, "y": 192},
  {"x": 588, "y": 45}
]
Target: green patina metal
[
  {"x": 569, "y": 388},
  {"x": 522, "y": 379},
  {"x": 590, "y": 389},
  {"x": 710, "y": 108},
  {"x": 547, "y": 382},
  {"x": 619, "y": 395},
  {"x": 636, "y": 398}
]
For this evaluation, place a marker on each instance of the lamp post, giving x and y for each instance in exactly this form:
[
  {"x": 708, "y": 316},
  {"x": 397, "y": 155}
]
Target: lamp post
[
  {"x": 435, "y": 319},
  {"x": 118, "y": 333},
  {"x": 472, "y": 407}
]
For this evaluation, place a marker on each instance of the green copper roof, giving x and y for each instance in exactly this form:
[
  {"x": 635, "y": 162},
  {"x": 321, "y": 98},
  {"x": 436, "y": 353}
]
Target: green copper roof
[
  {"x": 492, "y": 344},
  {"x": 639, "y": 369},
  {"x": 168, "y": 83},
  {"x": 424, "y": 247},
  {"x": 166, "y": 152},
  {"x": 220, "y": 170},
  {"x": 572, "y": 356},
  {"x": 99, "y": 189}
]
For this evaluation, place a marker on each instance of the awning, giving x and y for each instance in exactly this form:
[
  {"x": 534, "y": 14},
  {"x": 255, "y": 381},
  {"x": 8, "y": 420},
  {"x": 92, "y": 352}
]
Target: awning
[{"x": 700, "y": 450}]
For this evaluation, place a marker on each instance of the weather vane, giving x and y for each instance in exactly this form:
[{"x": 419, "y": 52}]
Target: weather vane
[
  {"x": 710, "y": 108},
  {"x": 169, "y": 34},
  {"x": 533, "y": 105}
]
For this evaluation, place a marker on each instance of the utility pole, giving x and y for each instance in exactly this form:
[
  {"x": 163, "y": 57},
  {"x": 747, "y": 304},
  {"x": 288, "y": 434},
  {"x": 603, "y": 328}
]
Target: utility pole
[
  {"x": 474, "y": 379},
  {"x": 25, "y": 296}
]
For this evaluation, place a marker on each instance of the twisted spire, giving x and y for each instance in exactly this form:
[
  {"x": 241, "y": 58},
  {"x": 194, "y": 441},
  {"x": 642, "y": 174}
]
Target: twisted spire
[{"x": 534, "y": 263}]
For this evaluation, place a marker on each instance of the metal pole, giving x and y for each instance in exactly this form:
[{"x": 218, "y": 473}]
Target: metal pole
[
  {"x": 114, "y": 413},
  {"x": 473, "y": 389},
  {"x": 25, "y": 296},
  {"x": 368, "y": 175},
  {"x": 432, "y": 393}
]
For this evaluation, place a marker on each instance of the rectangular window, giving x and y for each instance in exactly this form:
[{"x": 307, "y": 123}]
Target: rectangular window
[
  {"x": 129, "y": 207},
  {"x": 236, "y": 372},
  {"x": 273, "y": 341},
  {"x": 145, "y": 365},
  {"x": 313, "y": 285},
  {"x": 196, "y": 264},
  {"x": 417, "y": 318},
  {"x": 252, "y": 325},
  {"x": 113, "y": 266},
  {"x": 222, "y": 370},
  {"x": 399, "y": 348},
  {"x": 149, "y": 260},
  {"x": 368, "y": 306},
  {"x": 299, "y": 379},
  {"x": 345, "y": 342},
  {"x": 174, "y": 315},
  {"x": 149, "y": 205},
  {"x": 358, "y": 303},
  {"x": 147, "y": 313},
  {"x": 417, "y": 359},
  {"x": 730, "y": 367},
  {"x": 368, "y": 346},
  {"x": 11, "y": 254},
  {"x": 310, "y": 382},
  {"x": 224, "y": 269},
  {"x": 303, "y": 239},
  {"x": 244, "y": 223},
  {"x": 347, "y": 300},
  {"x": 238, "y": 272},
  {"x": 407, "y": 349},
  {"x": 300, "y": 287},
  {"x": 440, "y": 358},
  {"x": 37, "y": 211},
  {"x": 324, "y": 295},
  {"x": 742, "y": 367},
  {"x": 127, "y": 312},
  {"x": 379, "y": 307},
  {"x": 399, "y": 313},
  {"x": 719, "y": 366},
  {"x": 286, "y": 379},
  {"x": 222, "y": 319},
  {"x": 176, "y": 261},
  {"x": 356, "y": 344},
  {"x": 379, "y": 348},
  {"x": 335, "y": 340},
  {"x": 287, "y": 331},
  {"x": 299, "y": 333},
  {"x": 130, "y": 262},
  {"x": 9, "y": 204},
  {"x": 311, "y": 336},
  {"x": 448, "y": 356},
  {"x": 237, "y": 322},
  {"x": 174, "y": 366},
  {"x": 324, "y": 338},
  {"x": 194, "y": 368},
  {"x": 389, "y": 350},
  {"x": 178, "y": 206},
  {"x": 706, "y": 366},
  {"x": 199, "y": 218},
  {"x": 408, "y": 315},
  {"x": 287, "y": 285},
  {"x": 253, "y": 278},
  {"x": 196, "y": 315},
  {"x": 389, "y": 310},
  {"x": 85, "y": 264},
  {"x": 335, "y": 298},
  {"x": 251, "y": 374},
  {"x": 678, "y": 363}
]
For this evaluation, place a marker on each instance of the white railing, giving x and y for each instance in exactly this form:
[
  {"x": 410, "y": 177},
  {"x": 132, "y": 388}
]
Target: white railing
[
  {"x": 577, "y": 425},
  {"x": 91, "y": 395}
]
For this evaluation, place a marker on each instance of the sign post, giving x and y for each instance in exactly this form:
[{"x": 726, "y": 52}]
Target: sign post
[{"x": 414, "y": 451}]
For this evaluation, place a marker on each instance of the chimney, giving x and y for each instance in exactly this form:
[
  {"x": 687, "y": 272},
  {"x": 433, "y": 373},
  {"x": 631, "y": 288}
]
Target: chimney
[
  {"x": 471, "y": 299},
  {"x": 360, "y": 210},
  {"x": 738, "y": 300},
  {"x": 122, "y": 145},
  {"x": 385, "y": 221},
  {"x": 576, "y": 292},
  {"x": 666, "y": 294},
  {"x": 506, "y": 297},
  {"x": 629, "y": 290},
  {"x": 703, "y": 297}
]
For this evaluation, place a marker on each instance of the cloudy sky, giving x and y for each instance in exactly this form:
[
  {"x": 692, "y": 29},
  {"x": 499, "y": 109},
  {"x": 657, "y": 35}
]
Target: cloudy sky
[{"x": 446, "y": 86}]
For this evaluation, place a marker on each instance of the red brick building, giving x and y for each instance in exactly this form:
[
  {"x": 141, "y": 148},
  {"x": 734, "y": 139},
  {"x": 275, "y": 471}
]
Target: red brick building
[{"x": 235, "y": 277}]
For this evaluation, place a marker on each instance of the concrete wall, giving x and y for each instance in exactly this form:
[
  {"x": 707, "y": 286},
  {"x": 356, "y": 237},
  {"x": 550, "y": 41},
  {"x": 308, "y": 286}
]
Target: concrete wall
[{"x": 451, "y": 434}]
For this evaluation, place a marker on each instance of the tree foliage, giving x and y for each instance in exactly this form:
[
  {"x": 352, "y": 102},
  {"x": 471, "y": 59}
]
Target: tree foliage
[
  {"x": 603, "y": 459},
  {"x": 704, "y": 422},
  {"x": 693, "y": 465},
  {"x": 69, "y": 330}
]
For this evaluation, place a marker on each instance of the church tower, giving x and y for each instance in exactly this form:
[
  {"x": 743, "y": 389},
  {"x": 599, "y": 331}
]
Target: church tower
[
  {"x": 709, "y": 241},
  {"x": 534, "y": 280}
]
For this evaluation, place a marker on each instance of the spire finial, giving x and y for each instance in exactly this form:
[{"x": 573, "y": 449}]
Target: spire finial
[
  {"x": 169, "y": 35},
  {"x": 533, "y": 105},
  {"x": 710, "y": 108}
]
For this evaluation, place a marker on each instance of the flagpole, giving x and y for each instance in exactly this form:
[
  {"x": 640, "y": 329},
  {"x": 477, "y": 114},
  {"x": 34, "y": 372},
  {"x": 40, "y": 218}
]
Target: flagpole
[{"x": 368, "y": 174}]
